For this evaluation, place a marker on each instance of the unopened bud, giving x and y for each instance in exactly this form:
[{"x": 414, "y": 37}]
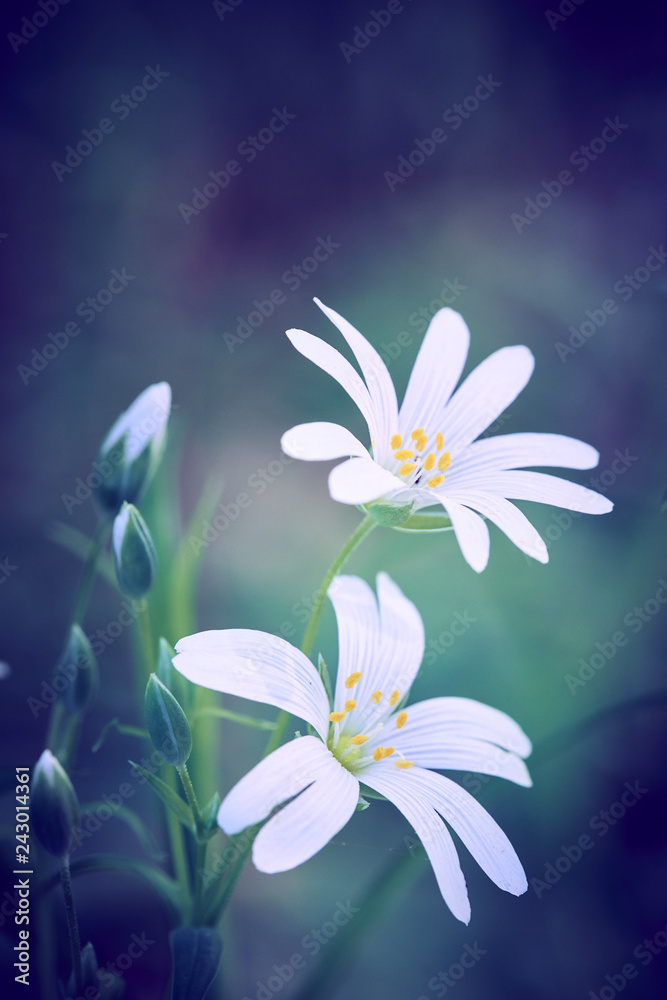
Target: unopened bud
[
  {"x": 54, "y": 807},
  {"x": 79, "y": 667},
  {"x": 167, "y": 724},
  {"x": 134, "y": 552}
]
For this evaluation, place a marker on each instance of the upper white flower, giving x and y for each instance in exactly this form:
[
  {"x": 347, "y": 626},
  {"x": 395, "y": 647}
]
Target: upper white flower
[
  {"x": 427, "y": 452},
  {"x": 368, "y": 737}
]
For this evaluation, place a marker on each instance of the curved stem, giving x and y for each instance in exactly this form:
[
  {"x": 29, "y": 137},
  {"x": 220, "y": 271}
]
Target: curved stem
[{"x": 72, "y": 924}]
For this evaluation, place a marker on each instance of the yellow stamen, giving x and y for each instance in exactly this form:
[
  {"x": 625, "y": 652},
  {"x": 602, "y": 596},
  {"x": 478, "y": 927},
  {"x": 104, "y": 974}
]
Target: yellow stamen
[
  {"x": 358, "y": 740},
  {"x": 336, "y": 716},
  {"x": 396, "y": 442},
  {"x": 404, "y": 764},
  {"x": 435, "y": 481},
  {"x": 406, "y": 469},
  {"x": 429, "y": 462},
  {"x": 445, "y": 461},
  {"x": 395, "y": 695},
  {"x": 376, "y": 697},
  {"x": 353, "y": 679},
  {"x": 403, "y": 454},
  {"x": 401, "y": 719},
  {"x": 439, "y": 442},
  {"x": 388, "y": 751},
  {"x": 381, "y": 752},
  {"x": 421, "y": 444},
  {"x": 349, "y": 705},
  {"x": 417, "y": 433}
]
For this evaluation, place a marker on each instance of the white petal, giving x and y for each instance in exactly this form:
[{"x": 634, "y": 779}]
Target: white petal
[
  {"x": 471, "y": 533},
  {"x": 487, "y": 391},
  {"x": 257, "y": 666},
  {"x": 448, "y": 752},
  {"x": 542, "y": 488},
  {"x": 360, "y": 480},
  {"x": 305, "y": 825},
  {"x": 436, "y": 371},
  {"x": 508, "y": 518},
  {"x": 378, "y": 380},
  {"x": 358, "y": 633},
  {"x": 518, "y": 451},
  {"x": 479, "y": 832},
  {"x": 144, "y": 420},
  {"x": 333, "y": 363},
  {"x": 469, "y": 719},
  {"x": 402, "y": 633},
  {"x": 318, "y": 442},
  {"x": 434, "y": 835},
  {"x": 278, "y": 777}
]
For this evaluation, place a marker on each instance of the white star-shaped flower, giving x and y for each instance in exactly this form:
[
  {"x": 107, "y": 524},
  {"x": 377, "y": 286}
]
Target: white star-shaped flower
[
  {"x": 428, "y": 453},
  {"x": 366, "y": 736}
]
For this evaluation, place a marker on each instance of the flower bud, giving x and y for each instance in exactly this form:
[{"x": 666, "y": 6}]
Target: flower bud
[
  {"x": 79, "y": 667},
  {"x": 134, "y": 552},
  {"x": 167, "y": 724},
  {"x": 54, "y": 807},
  {"x": 131, "y": 451}
]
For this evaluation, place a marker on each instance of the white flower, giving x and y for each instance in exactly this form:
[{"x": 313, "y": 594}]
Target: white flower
[
  {"x": 368, "y": 737},
  {"x": 428, "y": 452}
]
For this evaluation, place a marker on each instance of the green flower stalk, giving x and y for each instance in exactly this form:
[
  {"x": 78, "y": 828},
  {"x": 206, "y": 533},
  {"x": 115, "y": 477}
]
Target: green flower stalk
[
  {"x": 134, "y": 553},
  {"x": 130, "y": 453}
]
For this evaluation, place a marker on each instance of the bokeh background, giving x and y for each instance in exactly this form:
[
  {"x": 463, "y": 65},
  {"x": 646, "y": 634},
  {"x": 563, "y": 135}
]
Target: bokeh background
[{"x": 356, "y": 102}]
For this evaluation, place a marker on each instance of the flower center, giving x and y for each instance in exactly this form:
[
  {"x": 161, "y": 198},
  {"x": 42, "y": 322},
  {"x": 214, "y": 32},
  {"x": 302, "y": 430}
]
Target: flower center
[
  {"x": 354, "y": 726},
  {"x": 415, "y": 461}
]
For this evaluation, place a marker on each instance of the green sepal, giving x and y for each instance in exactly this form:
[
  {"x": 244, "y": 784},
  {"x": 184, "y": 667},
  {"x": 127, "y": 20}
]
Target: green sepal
[
  {"x": 362, "y": 804},
  {"x": 196, "y": 956},
  {"x": 78, "y": 665},
  {"x": 425, "y": 522},
  {"x": 209, "y": 816},
  {"x": 325, "y": 677},
  {"x": 171, "y": 799},
  {"x": 134, "y": 552},
  {"x": 167, "y": 724},
  {"x": 389, "y": 513},
  {"x": 54, "y": 807}
]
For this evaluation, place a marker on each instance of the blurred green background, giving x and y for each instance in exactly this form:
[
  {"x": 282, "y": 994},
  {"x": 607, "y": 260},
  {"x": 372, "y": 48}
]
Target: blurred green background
[{"x": 323, "y": 177}]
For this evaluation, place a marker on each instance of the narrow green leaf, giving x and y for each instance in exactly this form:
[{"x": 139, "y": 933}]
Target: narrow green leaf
[
  {"x": 138, "y": 827},
  {"x": 171, "y": 799},
  {"x": 224, "y": 713},
  {"x": 196, "y": 952},
  {"x": 121, "y": 728},
  {"x": 76, "y": 542},
  {"x": 323, "y": 671}
]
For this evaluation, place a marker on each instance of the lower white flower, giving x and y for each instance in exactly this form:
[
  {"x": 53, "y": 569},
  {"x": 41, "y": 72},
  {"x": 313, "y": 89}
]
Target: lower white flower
[{"x": 368, "y": 738}]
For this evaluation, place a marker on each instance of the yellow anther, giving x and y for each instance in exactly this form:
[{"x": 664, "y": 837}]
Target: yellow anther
[
  {"x": 404, "y": 764},
  {"x": 429, "y": 461},
  {"x": 445, "y": 461},
  {"x": 396, "y": 442},
  {"x": 358, "y": 740},
  {"x": 439, "y": 442},
  {"x": 349, "y": 705},
  {"x": 403, "y": 454},
  {"x": 336, "y": 716},
  {"x": 353, "y": 679},
  {"x": 406, "y": 469},
  {"x": 394, "y": 696},
  {"x": 417, "y": 433},
  {"x": 376, "y": 697},
  {"x": 421, "y": 444},
  {"x": 388, "y": 751},
  {"x": 401, "y": 719},
  {"x": 381, "y": 752},
  {"x": 435, "y": 481}
]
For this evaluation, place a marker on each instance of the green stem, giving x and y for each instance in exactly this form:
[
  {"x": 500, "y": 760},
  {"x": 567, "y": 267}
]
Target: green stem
[
  {"x": 72, "y": 924},
  {"x": 146, "y": 635},
  {"x": 353, "y": 541},
  {"x": 176, "y": 839},
  {"x": 192, "y": 799},
  {"x": 248, "y": 836},
  {"x": 86, "y": 582}
]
